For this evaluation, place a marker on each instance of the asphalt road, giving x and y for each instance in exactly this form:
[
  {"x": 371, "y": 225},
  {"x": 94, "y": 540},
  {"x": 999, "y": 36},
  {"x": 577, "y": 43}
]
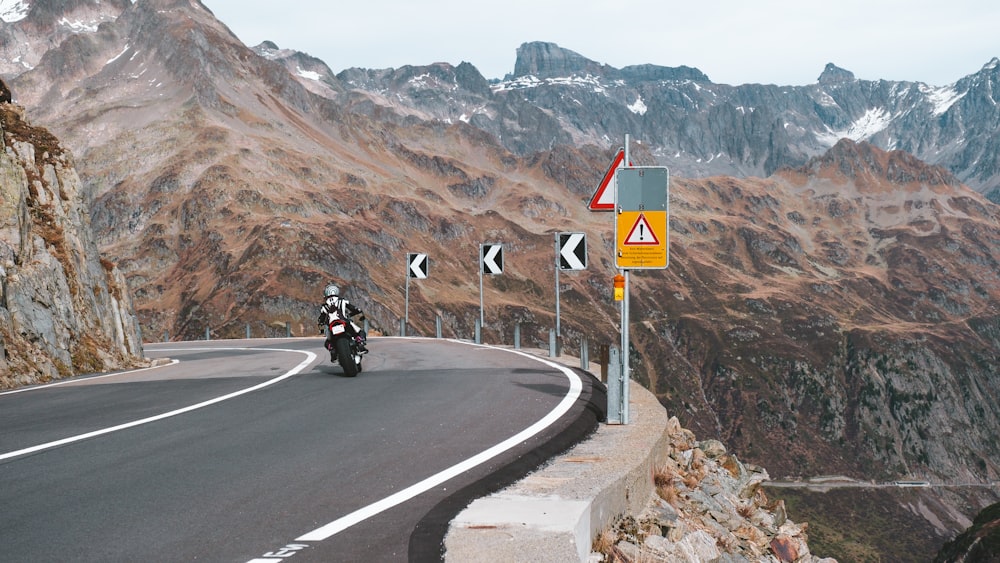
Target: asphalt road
[{"x": 261, "y": 450}]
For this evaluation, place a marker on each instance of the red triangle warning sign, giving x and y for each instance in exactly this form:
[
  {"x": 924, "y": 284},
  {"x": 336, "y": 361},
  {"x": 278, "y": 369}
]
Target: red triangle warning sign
[
  {"x": 641, "y": 234},
  {"x": 604, "y": 199}
]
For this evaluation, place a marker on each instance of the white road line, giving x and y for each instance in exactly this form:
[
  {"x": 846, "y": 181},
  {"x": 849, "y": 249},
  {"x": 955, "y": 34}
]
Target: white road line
[
  {"x": 341, "y": 524},
  {"x": 310, "y": 357},
  {"x": 79, "y": 379}
]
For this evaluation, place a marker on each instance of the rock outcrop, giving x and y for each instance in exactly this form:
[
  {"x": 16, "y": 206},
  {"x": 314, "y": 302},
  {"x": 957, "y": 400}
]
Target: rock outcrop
[
  {"x": 63, "y": 309},
  {"x": 709, "y": 507}
]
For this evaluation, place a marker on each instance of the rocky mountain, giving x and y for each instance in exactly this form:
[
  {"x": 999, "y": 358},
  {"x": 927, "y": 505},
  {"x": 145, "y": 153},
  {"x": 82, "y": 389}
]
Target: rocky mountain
[
  {"x": 699, "y": 128},
  {"x": 830, "y": 306},
  {"x": 63, "y": 309}
]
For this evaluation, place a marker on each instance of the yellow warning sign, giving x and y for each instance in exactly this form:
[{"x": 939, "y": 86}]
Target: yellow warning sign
[{"x": 641, "y": 240}]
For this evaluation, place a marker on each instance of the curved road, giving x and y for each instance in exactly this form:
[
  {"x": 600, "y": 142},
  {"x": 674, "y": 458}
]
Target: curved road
[{"x": 261, "y": 450}]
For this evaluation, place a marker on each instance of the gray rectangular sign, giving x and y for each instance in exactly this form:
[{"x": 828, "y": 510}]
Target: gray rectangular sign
[{"x": 643, "y": 188}]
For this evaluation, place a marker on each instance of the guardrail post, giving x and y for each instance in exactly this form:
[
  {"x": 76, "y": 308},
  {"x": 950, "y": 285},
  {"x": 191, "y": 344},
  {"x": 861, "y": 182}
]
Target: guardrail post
[
  {"x": 614, "y": 387},
  {"x": 517, "y": 335},
  {"x": 437, "y": 326},
  {"x": 604, "y": 360},
  {"x": 584, "y": 354},
  {"x": 552, "y": 343},
  {"x": 479, "y": 332}
]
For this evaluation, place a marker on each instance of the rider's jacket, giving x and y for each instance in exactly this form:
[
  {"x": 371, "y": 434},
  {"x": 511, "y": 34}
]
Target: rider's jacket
[{"x": 338, "y": 307}]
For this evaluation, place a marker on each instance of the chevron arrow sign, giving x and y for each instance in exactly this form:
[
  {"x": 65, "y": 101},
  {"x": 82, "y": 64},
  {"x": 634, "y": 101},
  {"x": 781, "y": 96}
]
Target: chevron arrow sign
[
  {"x": 492, "y": 255},
  {"x": 572, "y": 251},
  {"x": 416, "y": 265}
]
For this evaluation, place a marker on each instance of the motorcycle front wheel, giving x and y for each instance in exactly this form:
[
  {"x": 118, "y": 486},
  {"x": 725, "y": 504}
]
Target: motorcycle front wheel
[{"x": 346, "y": 358}]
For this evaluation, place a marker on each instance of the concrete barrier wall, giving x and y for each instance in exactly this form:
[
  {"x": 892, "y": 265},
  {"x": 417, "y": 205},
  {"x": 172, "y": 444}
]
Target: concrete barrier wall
[{"x": 555, "y": 513}]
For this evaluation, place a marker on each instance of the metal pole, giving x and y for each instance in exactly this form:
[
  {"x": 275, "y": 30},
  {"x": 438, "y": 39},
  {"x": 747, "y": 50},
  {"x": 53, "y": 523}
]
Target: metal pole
[
  {"x": 552, "y": 344},
  {"x": 208, "y": 333},
  {"x": 437, "y": 325},
  {"x": 479, "y": 332},
  {"x": 628, "y": 160},
  {"x": 625, "y": 321},
  {"x": 248, "y": 331},
  {"x": 614, "y": 389},
  {"x": 481, "y": 319},
  {"x": 406, "y": 310},
  {"x": 625, "y": 350},
  {"x": 584, "y": 354},
  {"x": 517, "y": 335},
  {"x": 558, "y": 327}
]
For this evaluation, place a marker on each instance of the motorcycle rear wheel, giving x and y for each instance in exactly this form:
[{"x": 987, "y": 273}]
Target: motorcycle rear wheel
[{"x": 346, "y": 358}]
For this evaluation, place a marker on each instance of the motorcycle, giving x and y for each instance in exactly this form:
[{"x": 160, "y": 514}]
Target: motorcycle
[{"x": 343, "y": 348}]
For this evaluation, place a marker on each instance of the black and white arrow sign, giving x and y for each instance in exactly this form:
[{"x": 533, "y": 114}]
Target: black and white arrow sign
[
  {"x": 417, "y": 265},
  {"x": 572, "y": 251},
  {"x": 492, "y": 255}
]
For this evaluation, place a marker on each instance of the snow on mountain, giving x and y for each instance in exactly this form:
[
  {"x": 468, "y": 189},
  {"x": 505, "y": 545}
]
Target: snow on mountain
[
  {"x": 308, "y": 74},
  {"x": 77, "y": 26},
  {"x": 639, "y": 107},
  {"x": 941, "y": 98},
  {"x": 873, "y": 121},
  {"x": 13, "y": 10}
]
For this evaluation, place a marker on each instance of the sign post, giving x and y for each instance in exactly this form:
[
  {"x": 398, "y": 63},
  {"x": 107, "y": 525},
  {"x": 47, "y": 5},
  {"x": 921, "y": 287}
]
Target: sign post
[
  {"x": 571, "y": 254},
  {"x": 490, "y": 262},
  {"x": 416, "y": 267},
  {"x": 642, "y": 241}
]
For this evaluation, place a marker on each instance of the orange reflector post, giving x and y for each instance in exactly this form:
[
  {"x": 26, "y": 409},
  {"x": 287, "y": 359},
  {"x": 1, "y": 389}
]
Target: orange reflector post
[{"x": 619, "y": 287}]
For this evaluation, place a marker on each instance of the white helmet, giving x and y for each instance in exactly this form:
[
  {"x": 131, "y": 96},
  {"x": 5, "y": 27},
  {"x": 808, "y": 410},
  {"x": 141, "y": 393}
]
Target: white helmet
[{"x": 331, "y": 291}]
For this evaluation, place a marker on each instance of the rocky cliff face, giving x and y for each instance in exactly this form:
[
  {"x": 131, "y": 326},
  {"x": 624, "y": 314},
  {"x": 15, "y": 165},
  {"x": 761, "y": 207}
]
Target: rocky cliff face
[{"x": 63, "y": 309}]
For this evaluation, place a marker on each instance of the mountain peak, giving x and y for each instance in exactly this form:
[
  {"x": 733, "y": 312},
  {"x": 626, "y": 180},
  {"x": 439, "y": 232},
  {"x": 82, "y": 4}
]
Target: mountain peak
[
  {"x": 833, "y": 74},
  {"x": 548, "y": 60}
]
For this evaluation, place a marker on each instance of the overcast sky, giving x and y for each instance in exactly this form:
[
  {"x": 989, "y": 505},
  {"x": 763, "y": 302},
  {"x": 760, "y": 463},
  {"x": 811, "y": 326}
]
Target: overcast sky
[{"x": 785, "y": 42}]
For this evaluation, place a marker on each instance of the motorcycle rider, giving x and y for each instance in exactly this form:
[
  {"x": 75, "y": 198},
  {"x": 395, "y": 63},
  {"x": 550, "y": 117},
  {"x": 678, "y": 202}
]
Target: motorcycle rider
[{"x": 335, "y": 306}]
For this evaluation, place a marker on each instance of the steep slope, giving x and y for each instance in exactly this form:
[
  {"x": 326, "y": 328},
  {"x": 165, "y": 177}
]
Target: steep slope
[
  {"x": 854, "y": 300},
  {"x": 63, "y": 309},
  {"x": 30, "y": 29},
  {"x": 981, "y": 542}
]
